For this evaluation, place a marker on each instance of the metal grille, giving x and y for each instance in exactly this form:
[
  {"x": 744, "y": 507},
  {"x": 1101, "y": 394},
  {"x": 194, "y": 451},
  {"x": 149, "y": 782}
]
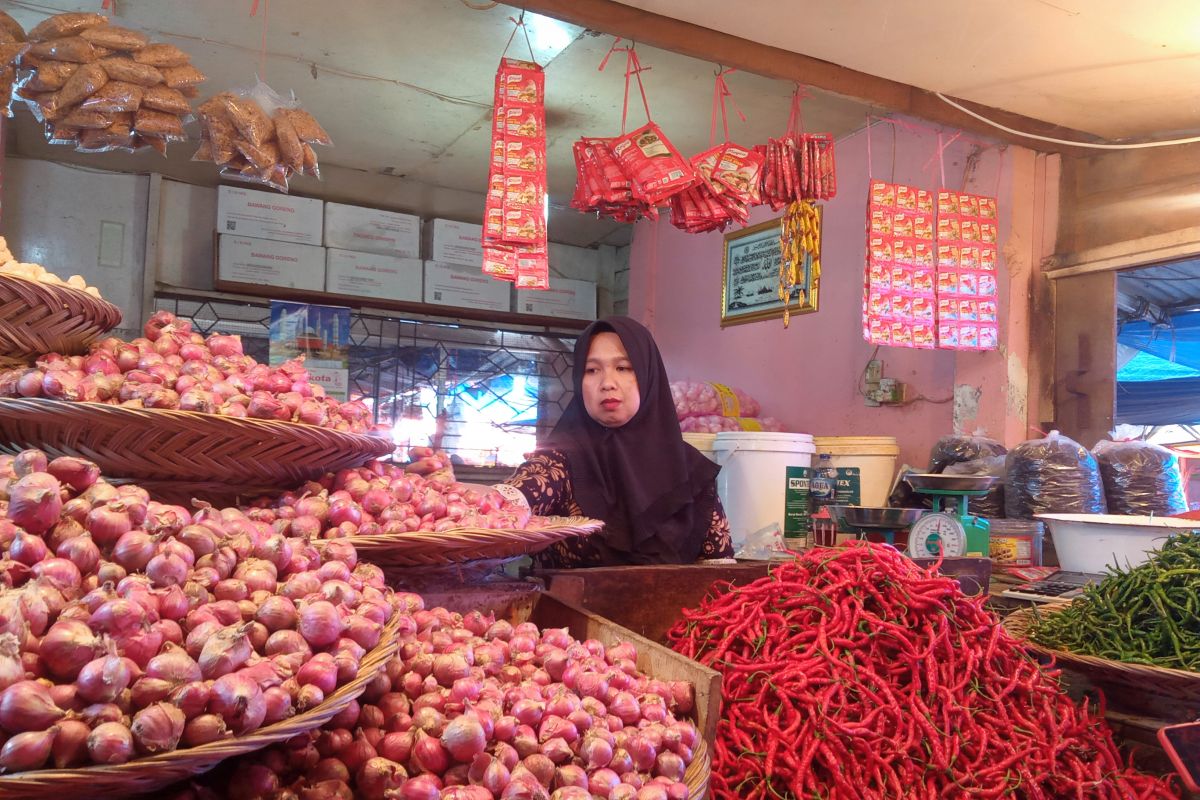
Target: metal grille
[{"x": 483, "y": 394}]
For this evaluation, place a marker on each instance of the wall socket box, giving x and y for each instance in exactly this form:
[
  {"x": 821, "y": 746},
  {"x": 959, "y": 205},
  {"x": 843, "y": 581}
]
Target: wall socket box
[{"x": 881, "y": 391}]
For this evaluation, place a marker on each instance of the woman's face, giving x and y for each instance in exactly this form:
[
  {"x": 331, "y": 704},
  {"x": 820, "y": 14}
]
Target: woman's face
[{"x": 610, "y": 387}]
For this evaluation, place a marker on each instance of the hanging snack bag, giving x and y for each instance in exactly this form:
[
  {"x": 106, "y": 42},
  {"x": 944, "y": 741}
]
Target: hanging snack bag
[
  {"x": 89, "y": 81},
  {"x": 255, "y": 135},
  {"x": 655, "y": 168},
  {"x": 739, "y": 169}
]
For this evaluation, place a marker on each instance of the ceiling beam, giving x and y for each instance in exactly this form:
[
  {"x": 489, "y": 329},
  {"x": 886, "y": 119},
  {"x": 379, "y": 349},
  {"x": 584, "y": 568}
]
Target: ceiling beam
[{"x": 685, "y": 38}]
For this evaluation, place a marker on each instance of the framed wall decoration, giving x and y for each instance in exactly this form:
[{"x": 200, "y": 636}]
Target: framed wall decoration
[{"x": 750, "y": 278}]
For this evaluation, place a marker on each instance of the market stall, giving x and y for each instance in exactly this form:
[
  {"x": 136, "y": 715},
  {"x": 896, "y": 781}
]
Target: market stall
[{"x": 232, "y": 567}]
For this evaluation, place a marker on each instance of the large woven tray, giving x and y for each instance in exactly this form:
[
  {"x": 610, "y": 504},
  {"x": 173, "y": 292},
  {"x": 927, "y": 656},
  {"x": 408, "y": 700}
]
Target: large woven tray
[
  {"x": 151, "y": 773},
  {"x": 430, "y": 548},
  {"x": 38, "y": 318},
  {"x": 1138, "y": 685},
  {"x": 167, "y": 445}
]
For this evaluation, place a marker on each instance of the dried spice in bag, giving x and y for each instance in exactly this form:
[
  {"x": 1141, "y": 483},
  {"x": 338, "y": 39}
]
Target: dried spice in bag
[
  {"x": 61, "y": 26},
  {"x": 82, "y": 69},
  {"x": 252, "y": 135}
]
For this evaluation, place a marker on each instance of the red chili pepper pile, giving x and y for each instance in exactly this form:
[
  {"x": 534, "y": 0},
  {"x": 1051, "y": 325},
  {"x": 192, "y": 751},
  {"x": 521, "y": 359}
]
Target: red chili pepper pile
[{"x": 854, "y": 673}]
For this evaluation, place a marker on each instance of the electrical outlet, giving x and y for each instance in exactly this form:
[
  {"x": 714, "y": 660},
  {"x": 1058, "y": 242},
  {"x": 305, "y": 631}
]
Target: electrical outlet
[{"x": 874, "y": 372}]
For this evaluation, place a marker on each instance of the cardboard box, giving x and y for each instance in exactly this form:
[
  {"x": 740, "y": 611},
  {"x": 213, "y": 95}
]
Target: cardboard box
[
  {"x": 453, "y": 242},
  {"x": 371, "y": 275},
  {"x": 465, "y": 287},
  {"x": 370, "y": 230},
  {"x": 564, "y": 298},
  {"x": 262, "y": 261},
  {"x": 269, "y": 215}
]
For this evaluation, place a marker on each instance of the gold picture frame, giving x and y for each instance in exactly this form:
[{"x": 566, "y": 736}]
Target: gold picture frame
[{"x": 750, "y": 277}]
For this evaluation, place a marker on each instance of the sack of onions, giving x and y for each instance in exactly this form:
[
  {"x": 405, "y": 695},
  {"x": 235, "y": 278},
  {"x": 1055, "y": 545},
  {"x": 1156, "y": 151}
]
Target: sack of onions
[
  {"x": 476, "y": 709},
  {"x": 383, "y": 498},
  {"x": 129, "y": 627},
  {"x": 174, "y": 367}
]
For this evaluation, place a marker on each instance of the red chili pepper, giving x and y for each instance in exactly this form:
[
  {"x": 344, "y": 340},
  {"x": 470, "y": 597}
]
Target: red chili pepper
[{"x": 853, "y": 673}]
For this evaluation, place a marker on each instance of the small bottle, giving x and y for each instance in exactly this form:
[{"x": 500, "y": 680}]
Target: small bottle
[{"x": 823, "y": 487}]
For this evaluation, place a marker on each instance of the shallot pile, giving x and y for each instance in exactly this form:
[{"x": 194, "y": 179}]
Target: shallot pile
[
  {"x": 175, "y": 367},
  {"x": 130, "y": 627},
  {"x": 474, "y": 709},
  {"x": 698, "y": 399},
  {"x": 386, "y": 499}
]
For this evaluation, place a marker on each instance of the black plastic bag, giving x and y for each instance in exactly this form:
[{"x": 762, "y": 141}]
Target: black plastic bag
[
  {"x": 961, "y": 449},
  {"x": 990, "y": 505},
  {"x": 1055, "y": 475},
  {"x": 1140, "y": 479}
]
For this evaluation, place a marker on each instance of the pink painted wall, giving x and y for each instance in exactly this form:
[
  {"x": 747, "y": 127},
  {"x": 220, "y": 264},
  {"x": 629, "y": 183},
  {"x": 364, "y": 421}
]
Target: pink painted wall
[{"x": 808, "y": 375}]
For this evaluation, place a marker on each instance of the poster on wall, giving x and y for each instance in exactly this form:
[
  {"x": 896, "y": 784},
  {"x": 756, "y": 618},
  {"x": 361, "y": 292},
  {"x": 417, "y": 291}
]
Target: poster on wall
[
  {"x": 750, "y": 278},
  {"x": 319, "y": 333}
]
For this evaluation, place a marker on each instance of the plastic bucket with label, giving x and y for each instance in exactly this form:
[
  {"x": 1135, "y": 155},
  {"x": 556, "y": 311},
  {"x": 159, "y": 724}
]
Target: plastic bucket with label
[
  {"x": 753, "y": 480},
  {"x": 873, "y": 456}
]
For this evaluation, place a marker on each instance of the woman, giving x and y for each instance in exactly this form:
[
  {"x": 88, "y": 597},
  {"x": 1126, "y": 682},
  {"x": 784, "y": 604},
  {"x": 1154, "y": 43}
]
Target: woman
[{"x": 617, "y": 455}]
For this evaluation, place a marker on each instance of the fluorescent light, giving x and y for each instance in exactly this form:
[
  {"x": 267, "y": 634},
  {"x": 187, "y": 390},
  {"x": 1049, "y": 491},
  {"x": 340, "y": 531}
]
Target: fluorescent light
[{"x": 549, "y": 37}]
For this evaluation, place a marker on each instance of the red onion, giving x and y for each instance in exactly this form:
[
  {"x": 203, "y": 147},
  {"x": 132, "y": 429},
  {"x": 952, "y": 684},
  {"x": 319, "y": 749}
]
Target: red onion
[
  {"x": 103, "y": 679},
  {"x": 379, "y": 776},
  {"x": 110, "y": 743},
  {"x": 74, "y": 472},
  {"x": 421, "y": 787},
  {"x": 464, "y": 738},
  {"x": 175, "y": 665},
  {"x": 221, "y": 345},
  {"x": 557, "y": 750},
  {"x": 27, "y": 706},
  {"x": 141, "y": 645},
  {"x": 118, "y": 616},
  {"x": 80, "y": 551},
  {"x": 158, "y": 728},
  {"x": 60, "y": 572},
  {"x": 11, "y": 670},
  {"x": 134, "y": 550},
  {"x": 67, "y": 646},
  {"x": 26, "y": 751},
  {"x": 239, "y": 701},
  {"x": 329, "y": 769},
  {"x": 192, "y": 698},
  {"x": 319, "y": 671},
  {"x": 199, "y": 635},
  {"x": 167, "y": 569},
  {"x": 225, "y": 652},
  {"x": 70, "y": 744},
  {"x": 28, "y": 462},
  {"x": 278, "y": 703},
  {"x": 146, "y": 691},
  {"x": 109, "y": 522},
  {"x": 320, "y": 623},
  {"x": 27, "y": 549},
  {"x": 430, "y": 755}
]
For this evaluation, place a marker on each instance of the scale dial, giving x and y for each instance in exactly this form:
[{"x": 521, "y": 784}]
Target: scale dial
[{"x": 934, "y": 533}]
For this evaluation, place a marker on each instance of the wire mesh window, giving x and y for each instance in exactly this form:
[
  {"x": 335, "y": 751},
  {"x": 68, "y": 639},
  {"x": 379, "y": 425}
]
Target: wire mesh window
[{"x": 482, "y": 393}]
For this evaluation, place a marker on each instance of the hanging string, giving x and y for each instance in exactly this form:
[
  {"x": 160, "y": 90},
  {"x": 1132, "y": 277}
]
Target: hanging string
[
  {"x": 634, "y": 69},
  {"x": 519, "y": 25},
  {"x": 999, "y": 170},
  {"x": 870, "y": 166},
  {"x": 262, "y": 56},
  {"x": 796, "y": 116},
  {"x": 721, "y": 92}
]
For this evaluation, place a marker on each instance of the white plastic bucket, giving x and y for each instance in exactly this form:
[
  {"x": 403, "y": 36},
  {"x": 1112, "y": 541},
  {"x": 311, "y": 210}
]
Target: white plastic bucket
[
  {"x": 703, "y": 442},
  {"x": 753, "y": 478},
  {"x": 874, "y": 457}
]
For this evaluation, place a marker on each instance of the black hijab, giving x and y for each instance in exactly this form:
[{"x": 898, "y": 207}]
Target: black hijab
[{"x": 642, "y": 479}]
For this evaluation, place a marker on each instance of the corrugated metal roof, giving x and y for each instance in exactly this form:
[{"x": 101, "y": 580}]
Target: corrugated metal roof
[{"x": 1171, "y": 287}]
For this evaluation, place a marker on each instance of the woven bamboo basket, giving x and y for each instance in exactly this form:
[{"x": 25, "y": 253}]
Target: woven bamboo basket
[
  {"x": 38, "y": 318},
  {"x": 216, "y": 493},
  {"x": 1133, "y": 685},
  {"x": 432, "y": 548},
  {"x": 155, "y": 772},
  {"x": 698, "y": 772},
  {"x": 168, "y": 445}
]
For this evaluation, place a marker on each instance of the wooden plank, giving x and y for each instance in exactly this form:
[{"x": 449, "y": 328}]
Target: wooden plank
[
  {"x": 647, "y": 600},
  {"x": 1154, "y": 249},
  {"x": 1085, "y": 310},
  {"x": 656, "y": 30}
]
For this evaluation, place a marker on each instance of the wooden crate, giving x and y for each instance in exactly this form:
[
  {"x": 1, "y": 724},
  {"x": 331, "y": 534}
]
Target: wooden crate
[{"x": 519, "y": 601}]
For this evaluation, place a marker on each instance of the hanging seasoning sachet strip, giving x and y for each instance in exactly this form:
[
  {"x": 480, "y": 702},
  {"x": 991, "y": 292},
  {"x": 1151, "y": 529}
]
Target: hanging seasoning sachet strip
[
  {"x": 899, "y": 288},
  {"x": 967, "y": 235}
]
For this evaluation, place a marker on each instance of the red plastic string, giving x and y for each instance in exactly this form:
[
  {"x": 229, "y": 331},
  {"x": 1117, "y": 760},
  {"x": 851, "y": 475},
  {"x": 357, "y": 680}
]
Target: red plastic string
[
  {"x": 633, "y": 68},
  {"x": 262, "y": 54},
  {"x": 720, "y": 93},
  {"x": 796, "y": 116},
  {"x": 107, "y": 5},
  {"x": 519, "y": 24}
]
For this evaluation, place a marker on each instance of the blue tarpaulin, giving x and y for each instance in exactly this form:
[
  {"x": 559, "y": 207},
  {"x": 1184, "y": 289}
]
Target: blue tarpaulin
[{"x": 1161, "y": 385}]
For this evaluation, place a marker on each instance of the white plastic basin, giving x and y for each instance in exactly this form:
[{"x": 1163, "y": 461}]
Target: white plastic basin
[{"x": 1094, "y": 542}]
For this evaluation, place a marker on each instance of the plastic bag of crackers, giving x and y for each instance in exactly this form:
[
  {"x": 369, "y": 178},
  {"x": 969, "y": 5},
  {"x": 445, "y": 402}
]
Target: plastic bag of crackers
[
  {"x": 259, "y": 136},
  {"x": 12, "y": 47},
  {"x": 100, "y": 87}
]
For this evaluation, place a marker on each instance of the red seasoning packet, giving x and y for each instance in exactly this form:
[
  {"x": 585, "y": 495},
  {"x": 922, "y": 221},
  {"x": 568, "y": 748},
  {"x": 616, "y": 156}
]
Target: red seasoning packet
[{"x": 655, "y": 168}]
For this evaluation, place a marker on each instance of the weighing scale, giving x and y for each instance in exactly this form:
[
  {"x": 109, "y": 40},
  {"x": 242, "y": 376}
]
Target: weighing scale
[
  {"x": 879, "y": 524},
  {"x": 944, "y": 532}
]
